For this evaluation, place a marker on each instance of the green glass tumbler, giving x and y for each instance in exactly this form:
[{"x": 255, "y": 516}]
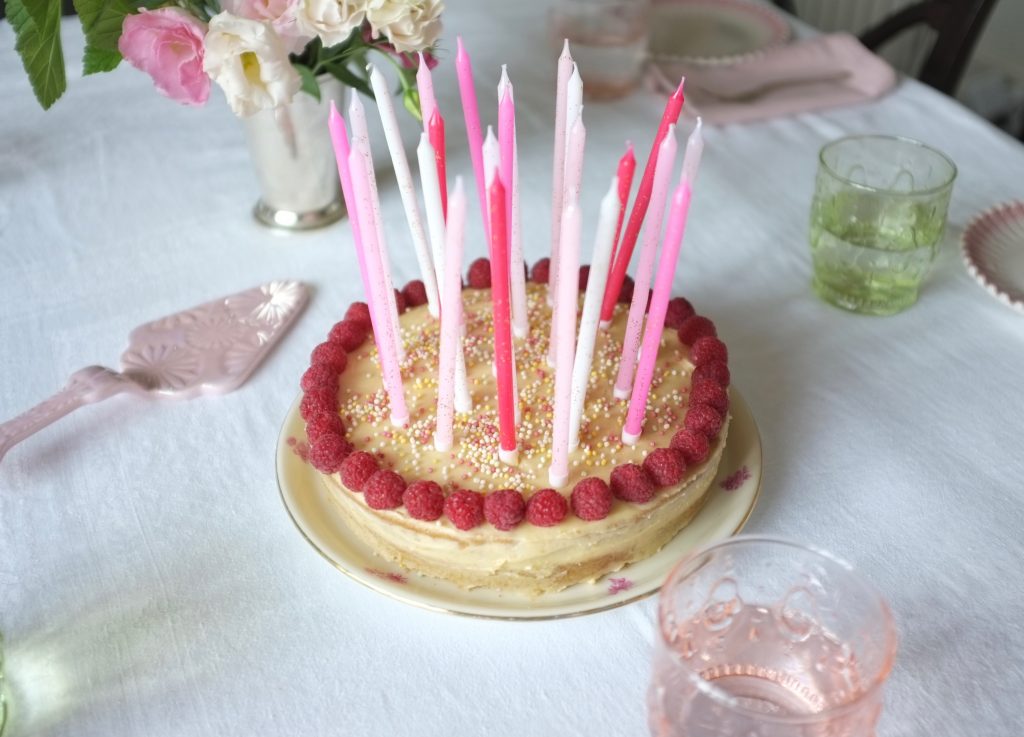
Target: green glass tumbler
[{"x": 877, "y": 219}]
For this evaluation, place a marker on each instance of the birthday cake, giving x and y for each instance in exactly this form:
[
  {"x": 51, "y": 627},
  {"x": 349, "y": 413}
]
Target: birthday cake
[{"x": 462, "y": 514}]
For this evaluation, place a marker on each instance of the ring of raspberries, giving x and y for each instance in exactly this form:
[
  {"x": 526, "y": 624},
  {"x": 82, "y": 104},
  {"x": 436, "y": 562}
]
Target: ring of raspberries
[{"x": 591, "y": 499}]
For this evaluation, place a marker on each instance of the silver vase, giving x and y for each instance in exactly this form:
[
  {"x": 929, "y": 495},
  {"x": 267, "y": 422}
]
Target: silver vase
[{"x": 295, "y": 165}]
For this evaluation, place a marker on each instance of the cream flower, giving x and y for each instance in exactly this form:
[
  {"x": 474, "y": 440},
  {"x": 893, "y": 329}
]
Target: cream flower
[
  {"x": 249, "y": 62},
  {"x": 410, "y": 25},
  {"x": 331, "y": 20}
]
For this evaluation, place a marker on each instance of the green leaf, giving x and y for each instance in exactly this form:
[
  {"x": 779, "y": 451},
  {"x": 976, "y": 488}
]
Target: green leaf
[
  {"x": 348, "y": 77},
  {"x": 102, "y": 21},
  {"x": 411, "y": 100},
  {"x": 38, "y": 44},
  {"x": 309, "y": 83}
]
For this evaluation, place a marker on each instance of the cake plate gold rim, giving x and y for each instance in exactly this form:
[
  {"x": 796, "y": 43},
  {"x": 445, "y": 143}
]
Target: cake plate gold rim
[{"x": 741, "y": 410}]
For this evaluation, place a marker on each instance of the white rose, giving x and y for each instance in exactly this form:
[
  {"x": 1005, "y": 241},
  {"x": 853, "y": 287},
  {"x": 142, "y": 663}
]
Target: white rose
[
  {"x": 410, "y": 25},
  {"x": 249, "y": 62},
  {"x": 331, "y": 20}
]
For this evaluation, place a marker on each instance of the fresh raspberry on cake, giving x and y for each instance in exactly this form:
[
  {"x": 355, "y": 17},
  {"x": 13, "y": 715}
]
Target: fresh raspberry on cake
[
  {"x": 626, "y": 293},
  {"x": 331, "y": 355},
  {"x": 717, "y": 371},
  {"x": 329, "y": 452},
  {"x": 401, "y": 305},
  {"x": 707, "y": 391},
  {"x": 465, "y": 508},
  {"x": 318, "y": 402},
  {"x": 703, "y": 419},
  {"x": 591, "y": 499},
  {"x": 359, "y": 312},
  {"x": 584, "y": 276},
  {"x": 541, "y": 271},
  {"x": 319, "y": 376},
  {"x": 665, "y": 466},
  {"x": 415, "y": 293},
  {"x": 693, "y": 445},
  {"x": 546, "y": 508},
  {"x": 679, "y": 309},
  {"x": 695, "y": 327},
  {"x": 384, "y": 490},
  {"x": 349, "y": 334},
  {"x": 423, "y": 500},
  {"x": 480, "y": 274},
  {"x": 708, "y": 349},
  {"x": 504, "y": 509},
  {"x": 328, "y": 423},
  {"x": 357, "y": 470},
  {"x": 631, "y": 484}
]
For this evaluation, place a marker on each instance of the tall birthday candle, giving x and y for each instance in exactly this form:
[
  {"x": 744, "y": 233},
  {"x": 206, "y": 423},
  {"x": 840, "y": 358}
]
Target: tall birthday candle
[
  {"x": 425, "y": 90},
  {"x": 405, "y": 186},
  {"x": 451, "y": 312},
  {"x": 573, "y": 110},
  {"x": 662, "y": 289},
  {"x": 645, "y": 267},
  {"x": 592, "y": 309},
  {"x": 501, "y": 309},
  {"x": 435, "y": 131},
  {"x": 474, "y": 136},
  {"x": 627, "y": 166},
  {"x": 565, "y": 67},
  {"x": 569, "y": 253},
  {"x": 573, "y": 182},
  {"x": 510, "y": 173}
]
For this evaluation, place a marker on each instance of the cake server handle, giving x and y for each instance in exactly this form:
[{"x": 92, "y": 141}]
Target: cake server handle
[{"x": 85, "y": 386}]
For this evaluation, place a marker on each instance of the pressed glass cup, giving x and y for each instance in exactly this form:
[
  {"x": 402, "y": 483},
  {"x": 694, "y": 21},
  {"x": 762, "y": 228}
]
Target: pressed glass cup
[
  {"x": 877, "y": 219},
  {"x": 760, "y": 636}
]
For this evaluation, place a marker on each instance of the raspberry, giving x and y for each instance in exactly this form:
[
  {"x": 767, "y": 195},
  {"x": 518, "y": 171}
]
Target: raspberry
[
  {"x": 329, "y": 452},
  {"x": 424, "y": 500},
  {"x": 465, "y": 508},
  {"x": 401, "y": 305},
  {"x": 693, "y": 446},
  {"x": 591, "y": 499},
  {"x": 711, "y": 393},
  {"x": 319, "y": 376},
  {"x": 708, "y": 350},
  {"x": 695, "y": 327},
  {"x": 716, "y": 371},
  {"x": 704, "y": 419},
  {"x": 330, "y": 355},
  {"x": 678, "y": 310},
  {"x": 665, "y": 466},
  {"x": 584, "y": 276},
  {"x": 384, "y": 490},
  {"x": 359, "y": 312},
  {"x": 357, "y": 469},
  {"x": 479, "y": 275},
  {"x": 541, "y": 271},
  {"x": 546, "y": 508},
  {"x": 629, "y": 482},
  {"x": 349, "y": 334},
  {"x": 328, "y": 423},
  {"x": 415, "y": 293},
  {"x": 318, "y": 402},
  {"x": 626, "y": 293},
  {"x": 504, "y": 509}
]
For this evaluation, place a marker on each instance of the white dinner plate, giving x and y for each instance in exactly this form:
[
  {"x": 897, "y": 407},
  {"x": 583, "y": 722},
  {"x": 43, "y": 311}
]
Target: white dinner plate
[
  {"x": 993, "y": 250},
  {"x": 729, "y": 504}
]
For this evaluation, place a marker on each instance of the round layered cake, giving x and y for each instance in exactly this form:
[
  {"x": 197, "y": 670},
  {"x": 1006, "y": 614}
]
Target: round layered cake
[{"x": 464, "y": 515}]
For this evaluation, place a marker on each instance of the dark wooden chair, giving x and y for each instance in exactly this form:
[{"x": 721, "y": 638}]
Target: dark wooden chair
[{"x": 956, "y": 24}]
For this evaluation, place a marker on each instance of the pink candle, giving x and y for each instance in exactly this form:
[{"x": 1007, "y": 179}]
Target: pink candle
[
  {"x": 643, "y": 197},
  {"x": 645, "y": 267},
  {"x": 569, "y": 253},
  {"x": 451, "y": 314},
  {"x": 627, "y": 166},
  {"x": 425, "y": 88},
  {"x": 384, "y": 334},
  {"x": 502, "y": 324},
  {"x": 435, "y": 134},
  {"x": 565, "y": 66},
  {"x": 510, "y": 173},
  {"x": 474, "y": 136},
  {"x": 573, "y": 110},
  {"x": 573, "y": 180}
]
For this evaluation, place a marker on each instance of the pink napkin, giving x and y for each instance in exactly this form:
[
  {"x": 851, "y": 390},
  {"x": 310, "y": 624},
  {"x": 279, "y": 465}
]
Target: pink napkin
[{"x": 814, "y": 74}]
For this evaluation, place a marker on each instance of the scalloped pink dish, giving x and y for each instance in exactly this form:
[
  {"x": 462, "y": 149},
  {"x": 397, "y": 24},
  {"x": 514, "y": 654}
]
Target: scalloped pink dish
[{"x": 993, "y": 251}]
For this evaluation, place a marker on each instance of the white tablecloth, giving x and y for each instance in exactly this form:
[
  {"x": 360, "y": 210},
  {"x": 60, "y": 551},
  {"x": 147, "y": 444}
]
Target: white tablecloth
[{"x": 152, "y": 584}]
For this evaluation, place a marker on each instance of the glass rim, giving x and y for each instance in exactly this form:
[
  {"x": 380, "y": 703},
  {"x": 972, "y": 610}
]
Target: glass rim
[
  {"x": 884, "y": 190},
  {"x": 723, "y": 698}
]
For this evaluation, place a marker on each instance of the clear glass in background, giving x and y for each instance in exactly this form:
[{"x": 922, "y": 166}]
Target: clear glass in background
[
  {"x": 760, "y": 636},
  {"x": 608, "y": 39},
  {"x": 877, "y": 220}
]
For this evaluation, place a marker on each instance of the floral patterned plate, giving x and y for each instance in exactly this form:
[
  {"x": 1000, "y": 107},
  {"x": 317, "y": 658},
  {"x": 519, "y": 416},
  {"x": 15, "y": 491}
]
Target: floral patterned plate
[{"x": 730, "y": 502}]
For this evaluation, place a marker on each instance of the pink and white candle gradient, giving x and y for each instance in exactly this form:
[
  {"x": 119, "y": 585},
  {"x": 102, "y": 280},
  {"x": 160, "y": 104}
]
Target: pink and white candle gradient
[{"x": 451, "y": 319}]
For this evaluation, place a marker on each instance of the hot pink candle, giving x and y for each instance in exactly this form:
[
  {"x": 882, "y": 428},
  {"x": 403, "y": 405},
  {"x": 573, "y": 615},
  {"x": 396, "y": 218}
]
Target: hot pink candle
[
  {"x": 627, "y": 167},
  {"x": 509, "y": 173},
  {"x": 502, "y": 323},
  {"x": 435, "y": 134},
  {"x": 451, "y": 319},
  {"x": 474, "y": 135}
]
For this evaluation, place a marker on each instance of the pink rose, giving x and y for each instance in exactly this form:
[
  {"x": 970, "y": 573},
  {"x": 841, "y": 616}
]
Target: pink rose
[
  {"x": 167, "y": 44},
  {"x": 281, "y": 14}
]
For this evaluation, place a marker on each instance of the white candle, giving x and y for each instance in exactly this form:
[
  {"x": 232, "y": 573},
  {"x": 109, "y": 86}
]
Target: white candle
[
  {"x": 405, "y": 185},
  {"x": 565, "y": 67},
  {"x": 573, "y": 110},
  {"x": 603, "y": 243},
  {"x": 450, "y": 317},
  {"x": 573, "y": 178}
]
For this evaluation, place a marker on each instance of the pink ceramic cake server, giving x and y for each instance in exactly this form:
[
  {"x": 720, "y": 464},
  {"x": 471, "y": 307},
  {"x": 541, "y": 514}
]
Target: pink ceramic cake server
[{"x": 209, "y": 349}]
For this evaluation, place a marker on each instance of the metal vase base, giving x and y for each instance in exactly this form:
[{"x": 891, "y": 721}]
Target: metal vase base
[{"x": 291, "y": 220}]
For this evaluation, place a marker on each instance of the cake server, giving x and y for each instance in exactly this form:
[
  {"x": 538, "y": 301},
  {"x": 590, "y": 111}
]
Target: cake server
[{"x": 209, "y": 349}]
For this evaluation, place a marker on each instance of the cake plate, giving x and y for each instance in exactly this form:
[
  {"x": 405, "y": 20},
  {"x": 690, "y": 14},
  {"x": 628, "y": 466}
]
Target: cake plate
[{"x": 730, "y": 501}]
